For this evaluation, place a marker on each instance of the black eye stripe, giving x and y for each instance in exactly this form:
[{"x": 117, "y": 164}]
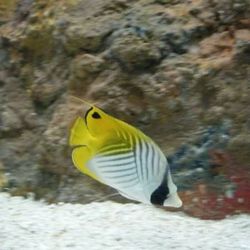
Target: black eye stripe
[
  {"x": 95, "y": 115},
  {"x": 87, "y": 114}
]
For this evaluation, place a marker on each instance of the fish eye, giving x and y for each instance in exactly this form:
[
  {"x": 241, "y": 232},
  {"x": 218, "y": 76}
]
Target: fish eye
[{"x": 95, "y": 115}]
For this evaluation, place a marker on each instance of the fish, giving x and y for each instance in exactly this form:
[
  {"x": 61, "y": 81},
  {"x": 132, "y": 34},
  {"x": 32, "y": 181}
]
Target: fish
[{"x": 121, "y": 156}]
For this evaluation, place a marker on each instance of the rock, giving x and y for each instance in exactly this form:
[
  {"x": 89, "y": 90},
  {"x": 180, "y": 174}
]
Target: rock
[
  {"x": 217, "y": 43},
  {"x": 215, "y": 115},
  {"x": 3, "y": 179},
  {"x": 86, "y": 64},
  {"x": 88, "y": 36},
  {"x": 37, "y": 39},
  {"x": 178, "y": 40},
  {"x": 242, "y": 46},
  {"x": 4, "y": 53},
  {"x": 178, "y": 71},
  {"x": 23, "y": 9},
  {"x": 229, "y": 11},
  {"x": 84, "y": 69},
  {"x": 20, "y": 158},
  {"x": 239, "y": 148},
  {"x": 7, "y": 8},
  {"x": 134, "y": 53},
  {"x": 164, "y": 1},
  {"x": 45, "y": 93},
  {"x": 10, "y": 122},
  {"x": 4, "y": 58},
  {"x": 116, "y": 6}
]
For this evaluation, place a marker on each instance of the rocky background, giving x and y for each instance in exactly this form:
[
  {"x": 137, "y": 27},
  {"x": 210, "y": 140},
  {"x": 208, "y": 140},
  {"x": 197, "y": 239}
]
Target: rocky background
[{"x": 179, "y": 70}]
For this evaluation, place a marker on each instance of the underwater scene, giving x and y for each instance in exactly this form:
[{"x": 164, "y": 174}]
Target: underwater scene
[{"x": 137, "y": 107}]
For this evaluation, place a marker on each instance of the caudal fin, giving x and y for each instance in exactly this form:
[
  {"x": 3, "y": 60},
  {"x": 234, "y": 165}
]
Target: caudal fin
[{"x": 173, "y": 200}]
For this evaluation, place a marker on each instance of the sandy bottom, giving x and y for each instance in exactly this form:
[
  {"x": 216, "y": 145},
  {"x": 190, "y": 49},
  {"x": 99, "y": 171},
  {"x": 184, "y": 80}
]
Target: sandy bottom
[{"x": 30, "y": 225}]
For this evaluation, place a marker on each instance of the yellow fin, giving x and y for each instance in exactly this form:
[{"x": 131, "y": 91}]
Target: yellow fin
[{"x": 80, "y": 157}]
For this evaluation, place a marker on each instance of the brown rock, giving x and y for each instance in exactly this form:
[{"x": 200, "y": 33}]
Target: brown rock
[
  {"x": 84, "y": 69},
  {"x": 10, "y": 121},
  {"x": 216, "y": 44},
  {"x": 86, "y": 64},
  {"x": 88, "y": 36},
  {"x": 133, "y": 52},
  {"x": 239, "y": 148},
  {"x": 215, "y": 115},
  {"x": 7, "y": 8},
  {"x": 45, "y": 93},
  {"x": 38, "y": 39},
  {"x": 3, "y": 178},
  {"x": 242, "y": 46}
]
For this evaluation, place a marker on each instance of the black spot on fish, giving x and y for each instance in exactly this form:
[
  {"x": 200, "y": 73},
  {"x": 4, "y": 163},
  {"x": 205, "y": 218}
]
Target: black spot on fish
[
  {"x": 160, "y": 194},
  {"x": 95, "y": 115}
]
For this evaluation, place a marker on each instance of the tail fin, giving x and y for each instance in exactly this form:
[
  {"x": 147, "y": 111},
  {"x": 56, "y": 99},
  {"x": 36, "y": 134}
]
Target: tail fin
[{"x": 173, "y": 199}]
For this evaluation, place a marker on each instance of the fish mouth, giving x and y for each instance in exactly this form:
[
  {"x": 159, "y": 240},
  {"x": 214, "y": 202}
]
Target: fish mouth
[{"x": 78, "y": 146}]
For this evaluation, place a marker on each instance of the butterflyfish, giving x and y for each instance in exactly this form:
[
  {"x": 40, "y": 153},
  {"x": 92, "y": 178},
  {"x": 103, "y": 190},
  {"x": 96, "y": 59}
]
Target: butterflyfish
[{"x": 122, "y": 157}]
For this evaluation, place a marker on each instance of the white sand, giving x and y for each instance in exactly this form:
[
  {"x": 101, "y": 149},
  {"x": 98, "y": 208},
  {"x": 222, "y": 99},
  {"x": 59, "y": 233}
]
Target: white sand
[{"x": 29, "y": 225}]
